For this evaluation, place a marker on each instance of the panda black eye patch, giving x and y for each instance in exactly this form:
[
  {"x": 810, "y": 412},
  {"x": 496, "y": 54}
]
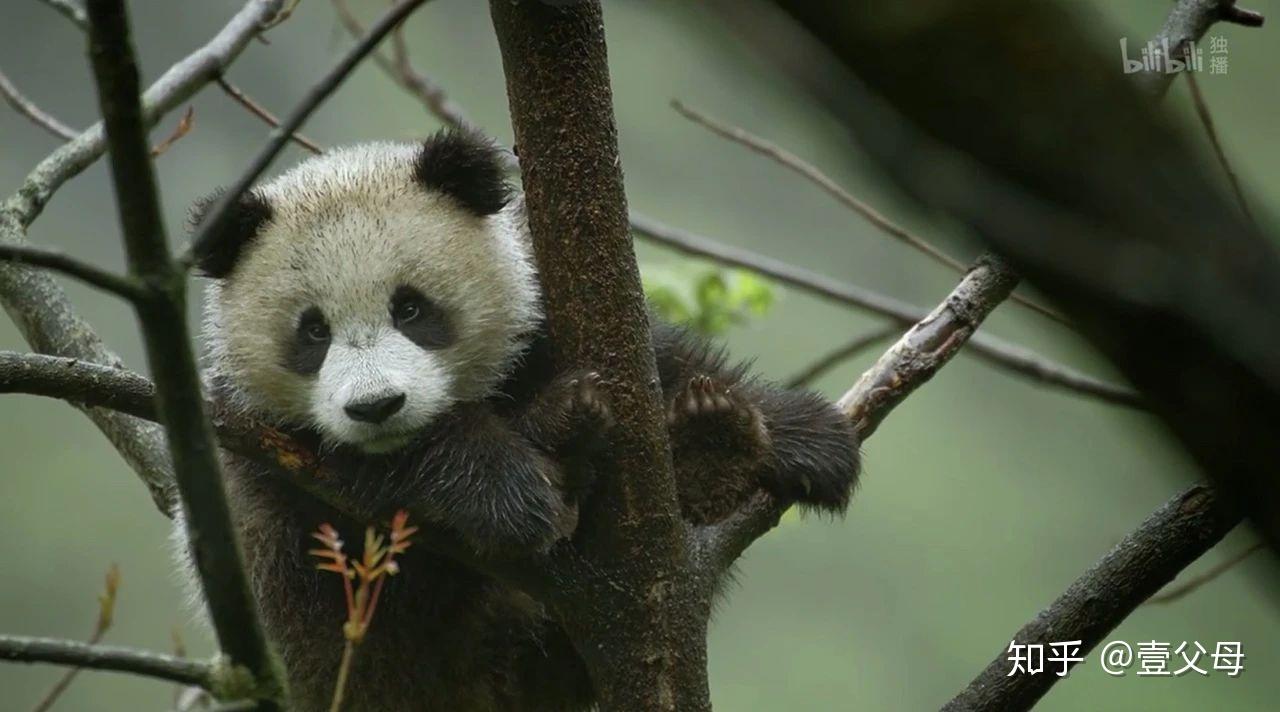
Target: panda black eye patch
[
  {"x": 421, "y": 320},
  {"x": 306, "y": 350}
]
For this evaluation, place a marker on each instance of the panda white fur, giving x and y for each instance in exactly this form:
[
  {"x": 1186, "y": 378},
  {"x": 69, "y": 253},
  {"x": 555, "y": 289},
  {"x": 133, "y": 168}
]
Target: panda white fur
[{"x": 381, "y": 300}]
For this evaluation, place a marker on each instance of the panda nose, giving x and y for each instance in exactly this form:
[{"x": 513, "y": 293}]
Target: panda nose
[{"x": 377, "y": 410}]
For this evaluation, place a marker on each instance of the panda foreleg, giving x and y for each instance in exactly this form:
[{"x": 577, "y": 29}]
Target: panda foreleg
[{"x": 490, "y": 483}]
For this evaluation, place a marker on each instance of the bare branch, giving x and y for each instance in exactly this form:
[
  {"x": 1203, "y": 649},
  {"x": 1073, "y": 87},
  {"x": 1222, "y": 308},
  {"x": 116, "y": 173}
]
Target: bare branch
[
  {"x": 174, "y": 87},
  {"x": 27, "y": 108},
  {"x": 119, "y": 285},
  {"x": 1187, "y": 22},
  {"x": 992, "y": 349},
  {"x": 928, "y": 345},
  {"x": 847, "y": 351},
  {"x": 1171, "y": 538},
  {"x": 401, "y": 71},
  {"x": 77, "y": 381},
  {"x": 259, "y": 111},
  {"x": 161, "y": 311},
  {"x": 1176, "y": 593},
  {"x": 1206, "y": 120},
  {"x": 71, "y": 10},
  {"x": 814, "y": 175},
  {"x": 907, "y": 365},
  {"x": 185, "y": 124},
  {"x": 216, "y": 223},
  {"x": 24, "y": 649}
]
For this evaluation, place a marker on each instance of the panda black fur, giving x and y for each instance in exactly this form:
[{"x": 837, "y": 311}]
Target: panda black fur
[{"x": 382, "y": 301}]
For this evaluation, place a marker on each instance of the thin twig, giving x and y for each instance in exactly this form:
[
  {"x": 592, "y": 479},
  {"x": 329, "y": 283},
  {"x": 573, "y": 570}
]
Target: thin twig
[
  {"x": 120, "y": 285},
  {"x": 261, "y": 112},
  {"x": 185, "y": 124},
  {"x": 1206, "y": 120},
  {"x": 992, "y": 349},
  {"x": 24, "y": 649},
  {"x": 815, "y": 175},
  {"x": 401, "y": 71},
  {"x": 839, "y": 355},
  {"x": 106, "y": 614},
  {"x": 1177, "y": 533},
  {"x": 28, "y": 108},
  {"x": 71, "y": 10},
  {"x": 285, "y": 13},
  {"x": 1195, "y": 582},
  {"x": 215, "y": 224},
  {"x": 162, "y": 314}
]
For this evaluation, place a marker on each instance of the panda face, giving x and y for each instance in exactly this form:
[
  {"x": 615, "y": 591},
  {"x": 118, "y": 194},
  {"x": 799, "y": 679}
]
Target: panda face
[
  {"x": 379, "y": 374},
  {"x": 366, "y": 305}
]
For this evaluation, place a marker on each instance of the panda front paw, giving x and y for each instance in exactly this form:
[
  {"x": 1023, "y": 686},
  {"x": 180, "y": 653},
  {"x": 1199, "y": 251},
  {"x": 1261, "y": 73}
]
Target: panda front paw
[
  {"x": 709, "y": 413},
  {"x": 571, "y": 417}
]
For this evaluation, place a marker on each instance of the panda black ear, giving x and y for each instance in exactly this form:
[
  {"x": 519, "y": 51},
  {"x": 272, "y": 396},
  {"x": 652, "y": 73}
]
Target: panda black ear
[
  {"x": 247, "y": 217},
  {"x": 465, "y": 166}
]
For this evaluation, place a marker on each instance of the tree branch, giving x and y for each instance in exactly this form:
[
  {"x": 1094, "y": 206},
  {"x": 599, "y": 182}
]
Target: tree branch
[
  {"x": 24, "y": 649},
  {"x": 1171, "y": 538},
  {"x": 161, "y": 311},
  {"x": 990, "y": 348},
  {"x": 27, "y": 108},
  {"x": 928, "y": 345},
  {"x": 834, "y": 358},
  {"x": 1206, "y": 120},
  {"x": 907, "y": 365},
  {"x": 1187, "y": 22},
  {"x": 174, "y": 87},
  {"x": 814, "y": 175},
  {"x": 261, "y": 112},
  {"x": 216, "y": 223},
  {"x": 118, "y": 285},
  {"x": 69, "y": 379},
  {"x": 40, "y": 308},
  {"x": 401, "y": 71},
  {"x": 1176, "y": 593}
]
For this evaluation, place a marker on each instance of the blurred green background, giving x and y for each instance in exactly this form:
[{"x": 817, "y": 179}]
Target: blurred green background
[{"x": 984, "y": 495}]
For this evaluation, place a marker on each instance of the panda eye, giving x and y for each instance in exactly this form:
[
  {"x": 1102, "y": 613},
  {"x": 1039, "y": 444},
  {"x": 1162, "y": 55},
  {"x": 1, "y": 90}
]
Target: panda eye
[
  {"x": 312, "y": 327},
  {"x": 317, "y": 332},
  {"x": 406, "y": 311}
]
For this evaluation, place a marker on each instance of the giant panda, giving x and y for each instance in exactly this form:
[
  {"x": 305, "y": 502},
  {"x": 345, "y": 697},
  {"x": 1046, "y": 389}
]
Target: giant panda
[{"x": 382, "y": 300}]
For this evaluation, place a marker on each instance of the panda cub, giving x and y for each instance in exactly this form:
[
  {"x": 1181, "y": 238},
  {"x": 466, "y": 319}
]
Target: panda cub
[{"x": 381, "y": 302}]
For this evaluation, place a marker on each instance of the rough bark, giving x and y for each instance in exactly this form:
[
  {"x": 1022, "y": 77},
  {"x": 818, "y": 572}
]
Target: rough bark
[{"x": 651, "y": 654}]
